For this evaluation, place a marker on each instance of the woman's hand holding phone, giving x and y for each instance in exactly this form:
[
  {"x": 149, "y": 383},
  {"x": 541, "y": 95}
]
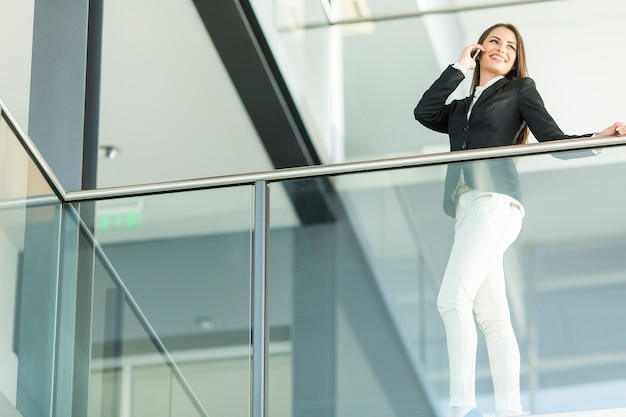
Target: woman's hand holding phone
[{"x": 469, "y": 56}]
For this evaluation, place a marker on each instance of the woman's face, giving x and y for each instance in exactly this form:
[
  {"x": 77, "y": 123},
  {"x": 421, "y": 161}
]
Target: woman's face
[{"x": 500, "y": 52}]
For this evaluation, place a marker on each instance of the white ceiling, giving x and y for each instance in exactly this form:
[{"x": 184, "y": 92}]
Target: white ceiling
[{"x": 167, "y": 100}]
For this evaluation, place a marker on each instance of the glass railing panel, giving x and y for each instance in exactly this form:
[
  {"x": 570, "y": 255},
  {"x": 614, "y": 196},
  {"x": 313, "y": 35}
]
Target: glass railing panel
[
  {"x": 290, "y": 13},
  {"x": 311, "y": 62},
  {"x": 128, "y": 374},
  {"x": 29, "y": 244},
  {"x": 352, "y": 298},
  {"x": 571, "y": 266},
  {"x": 185, "y": 259},
  {"x": 358, "y": 83},
  {"x": 405, "y": 246},
  {"x": 356, "y": 293}
]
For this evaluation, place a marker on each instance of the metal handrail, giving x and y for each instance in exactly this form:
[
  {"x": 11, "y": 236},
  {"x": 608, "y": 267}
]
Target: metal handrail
[
  {"x": 332, "y": 21},
  {"x": 306, "y": 171},
  {"x": 347, "y": 168}
]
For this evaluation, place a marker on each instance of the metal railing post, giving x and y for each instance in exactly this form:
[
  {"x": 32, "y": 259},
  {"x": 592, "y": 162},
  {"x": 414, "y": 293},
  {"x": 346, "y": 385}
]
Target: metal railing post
[{"x": 260, "y": 240}]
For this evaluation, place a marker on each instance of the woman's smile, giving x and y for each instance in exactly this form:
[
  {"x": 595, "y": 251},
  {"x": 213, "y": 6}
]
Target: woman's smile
[{"x": 498, "y": 58}]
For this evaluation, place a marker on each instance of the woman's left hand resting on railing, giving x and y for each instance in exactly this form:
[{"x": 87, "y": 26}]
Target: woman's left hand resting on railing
[{"x": 616, "y": 129}]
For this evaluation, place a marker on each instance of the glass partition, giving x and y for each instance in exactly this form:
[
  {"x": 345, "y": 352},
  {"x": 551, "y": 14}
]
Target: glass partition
[
  {"x": 171, "y": 316},
  {"x": 29, "y": 244},
  {"x": 131, "y": 373},
  {"x": 356, "y": 84},
  {"x": 352, "y": 295}
]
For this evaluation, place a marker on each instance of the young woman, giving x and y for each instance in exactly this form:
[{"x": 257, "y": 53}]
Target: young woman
[{"x": 484, "y": 198}]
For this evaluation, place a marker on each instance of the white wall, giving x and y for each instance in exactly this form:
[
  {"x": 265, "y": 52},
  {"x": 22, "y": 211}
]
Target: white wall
[{"x": 16, "y": 40}]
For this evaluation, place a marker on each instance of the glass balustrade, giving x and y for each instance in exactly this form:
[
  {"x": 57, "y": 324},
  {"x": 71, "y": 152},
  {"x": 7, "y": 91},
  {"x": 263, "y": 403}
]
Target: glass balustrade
[
  {"x": 97, "y": 331},
  {"x": 29, "y": 244},
  {"x": 356, "y": 83},
  {"x": 184, "y": 258},
  {"x": 131, "y": 372},
  {"x": 354, "y": 293},
  {"x": 152, "y": 313}
]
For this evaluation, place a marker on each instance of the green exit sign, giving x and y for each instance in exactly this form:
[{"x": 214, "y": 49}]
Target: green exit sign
[{"x": 119, "y": 221}]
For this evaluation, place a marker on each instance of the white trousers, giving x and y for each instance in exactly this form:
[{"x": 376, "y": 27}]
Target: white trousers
[{"x": 486, "y": 225}]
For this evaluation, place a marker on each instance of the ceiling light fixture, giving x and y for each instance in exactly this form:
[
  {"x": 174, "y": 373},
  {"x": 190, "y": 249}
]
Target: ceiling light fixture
[
  {"x": 108, "y": 151},
  {"x": 206, "y": 323}
]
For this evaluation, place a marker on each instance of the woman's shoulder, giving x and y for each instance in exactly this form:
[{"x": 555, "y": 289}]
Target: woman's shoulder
[
  {"x": 523, "y": 82},
  {"x": 523, "y": 85}
]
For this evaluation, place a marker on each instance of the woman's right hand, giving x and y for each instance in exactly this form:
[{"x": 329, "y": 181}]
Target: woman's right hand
[
  {"x": 469, "y": 56},
  {"x": 616, "y": 129}
]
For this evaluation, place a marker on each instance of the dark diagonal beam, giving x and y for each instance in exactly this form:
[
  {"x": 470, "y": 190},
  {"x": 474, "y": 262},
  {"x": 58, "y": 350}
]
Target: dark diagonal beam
[{"x": 247, "y": 56}]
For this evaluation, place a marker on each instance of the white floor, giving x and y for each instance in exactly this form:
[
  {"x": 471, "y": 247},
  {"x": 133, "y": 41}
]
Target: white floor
[{"x": 615, "y": 412}]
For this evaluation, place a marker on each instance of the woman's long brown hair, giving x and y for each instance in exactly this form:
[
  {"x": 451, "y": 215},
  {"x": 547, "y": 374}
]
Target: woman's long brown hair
[{"x": 519, "y": 69}]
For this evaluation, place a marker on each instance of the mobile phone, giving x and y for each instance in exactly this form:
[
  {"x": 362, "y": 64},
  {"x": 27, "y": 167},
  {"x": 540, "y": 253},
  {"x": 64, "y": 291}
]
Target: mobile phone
[{"x": 476, "y": 54}]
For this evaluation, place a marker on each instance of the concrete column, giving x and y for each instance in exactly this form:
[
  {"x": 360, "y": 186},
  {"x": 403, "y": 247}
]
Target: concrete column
[{"x": 65, "y": 79}]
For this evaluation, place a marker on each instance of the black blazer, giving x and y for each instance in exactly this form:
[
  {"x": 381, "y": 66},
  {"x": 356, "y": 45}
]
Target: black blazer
[{"x": 497, "y": 118}]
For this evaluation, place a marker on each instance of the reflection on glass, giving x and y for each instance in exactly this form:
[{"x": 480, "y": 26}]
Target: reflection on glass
[
  {"x": 352, "y": 296},
  {"x": 356, "y": 84},
  {"x": 20, "y": 176},
  {"x": 184, "y": 258},
  {"x": 290, "y": 14},
  {"x": 332, "y": 285},
  {"x": 571, "y": 238}
]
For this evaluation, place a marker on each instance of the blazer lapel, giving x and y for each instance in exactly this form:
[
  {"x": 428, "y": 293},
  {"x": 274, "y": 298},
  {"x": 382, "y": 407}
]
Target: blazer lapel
[
  {"x": 489, "y": 91},
  {"x": 467, "y": 101}
]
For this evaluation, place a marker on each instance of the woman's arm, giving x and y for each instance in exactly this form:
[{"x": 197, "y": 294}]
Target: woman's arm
[
  {"x": 534, "y": 113},
  {"x": 542, "y": 125},
  {"x": 432, "y": 110}
]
